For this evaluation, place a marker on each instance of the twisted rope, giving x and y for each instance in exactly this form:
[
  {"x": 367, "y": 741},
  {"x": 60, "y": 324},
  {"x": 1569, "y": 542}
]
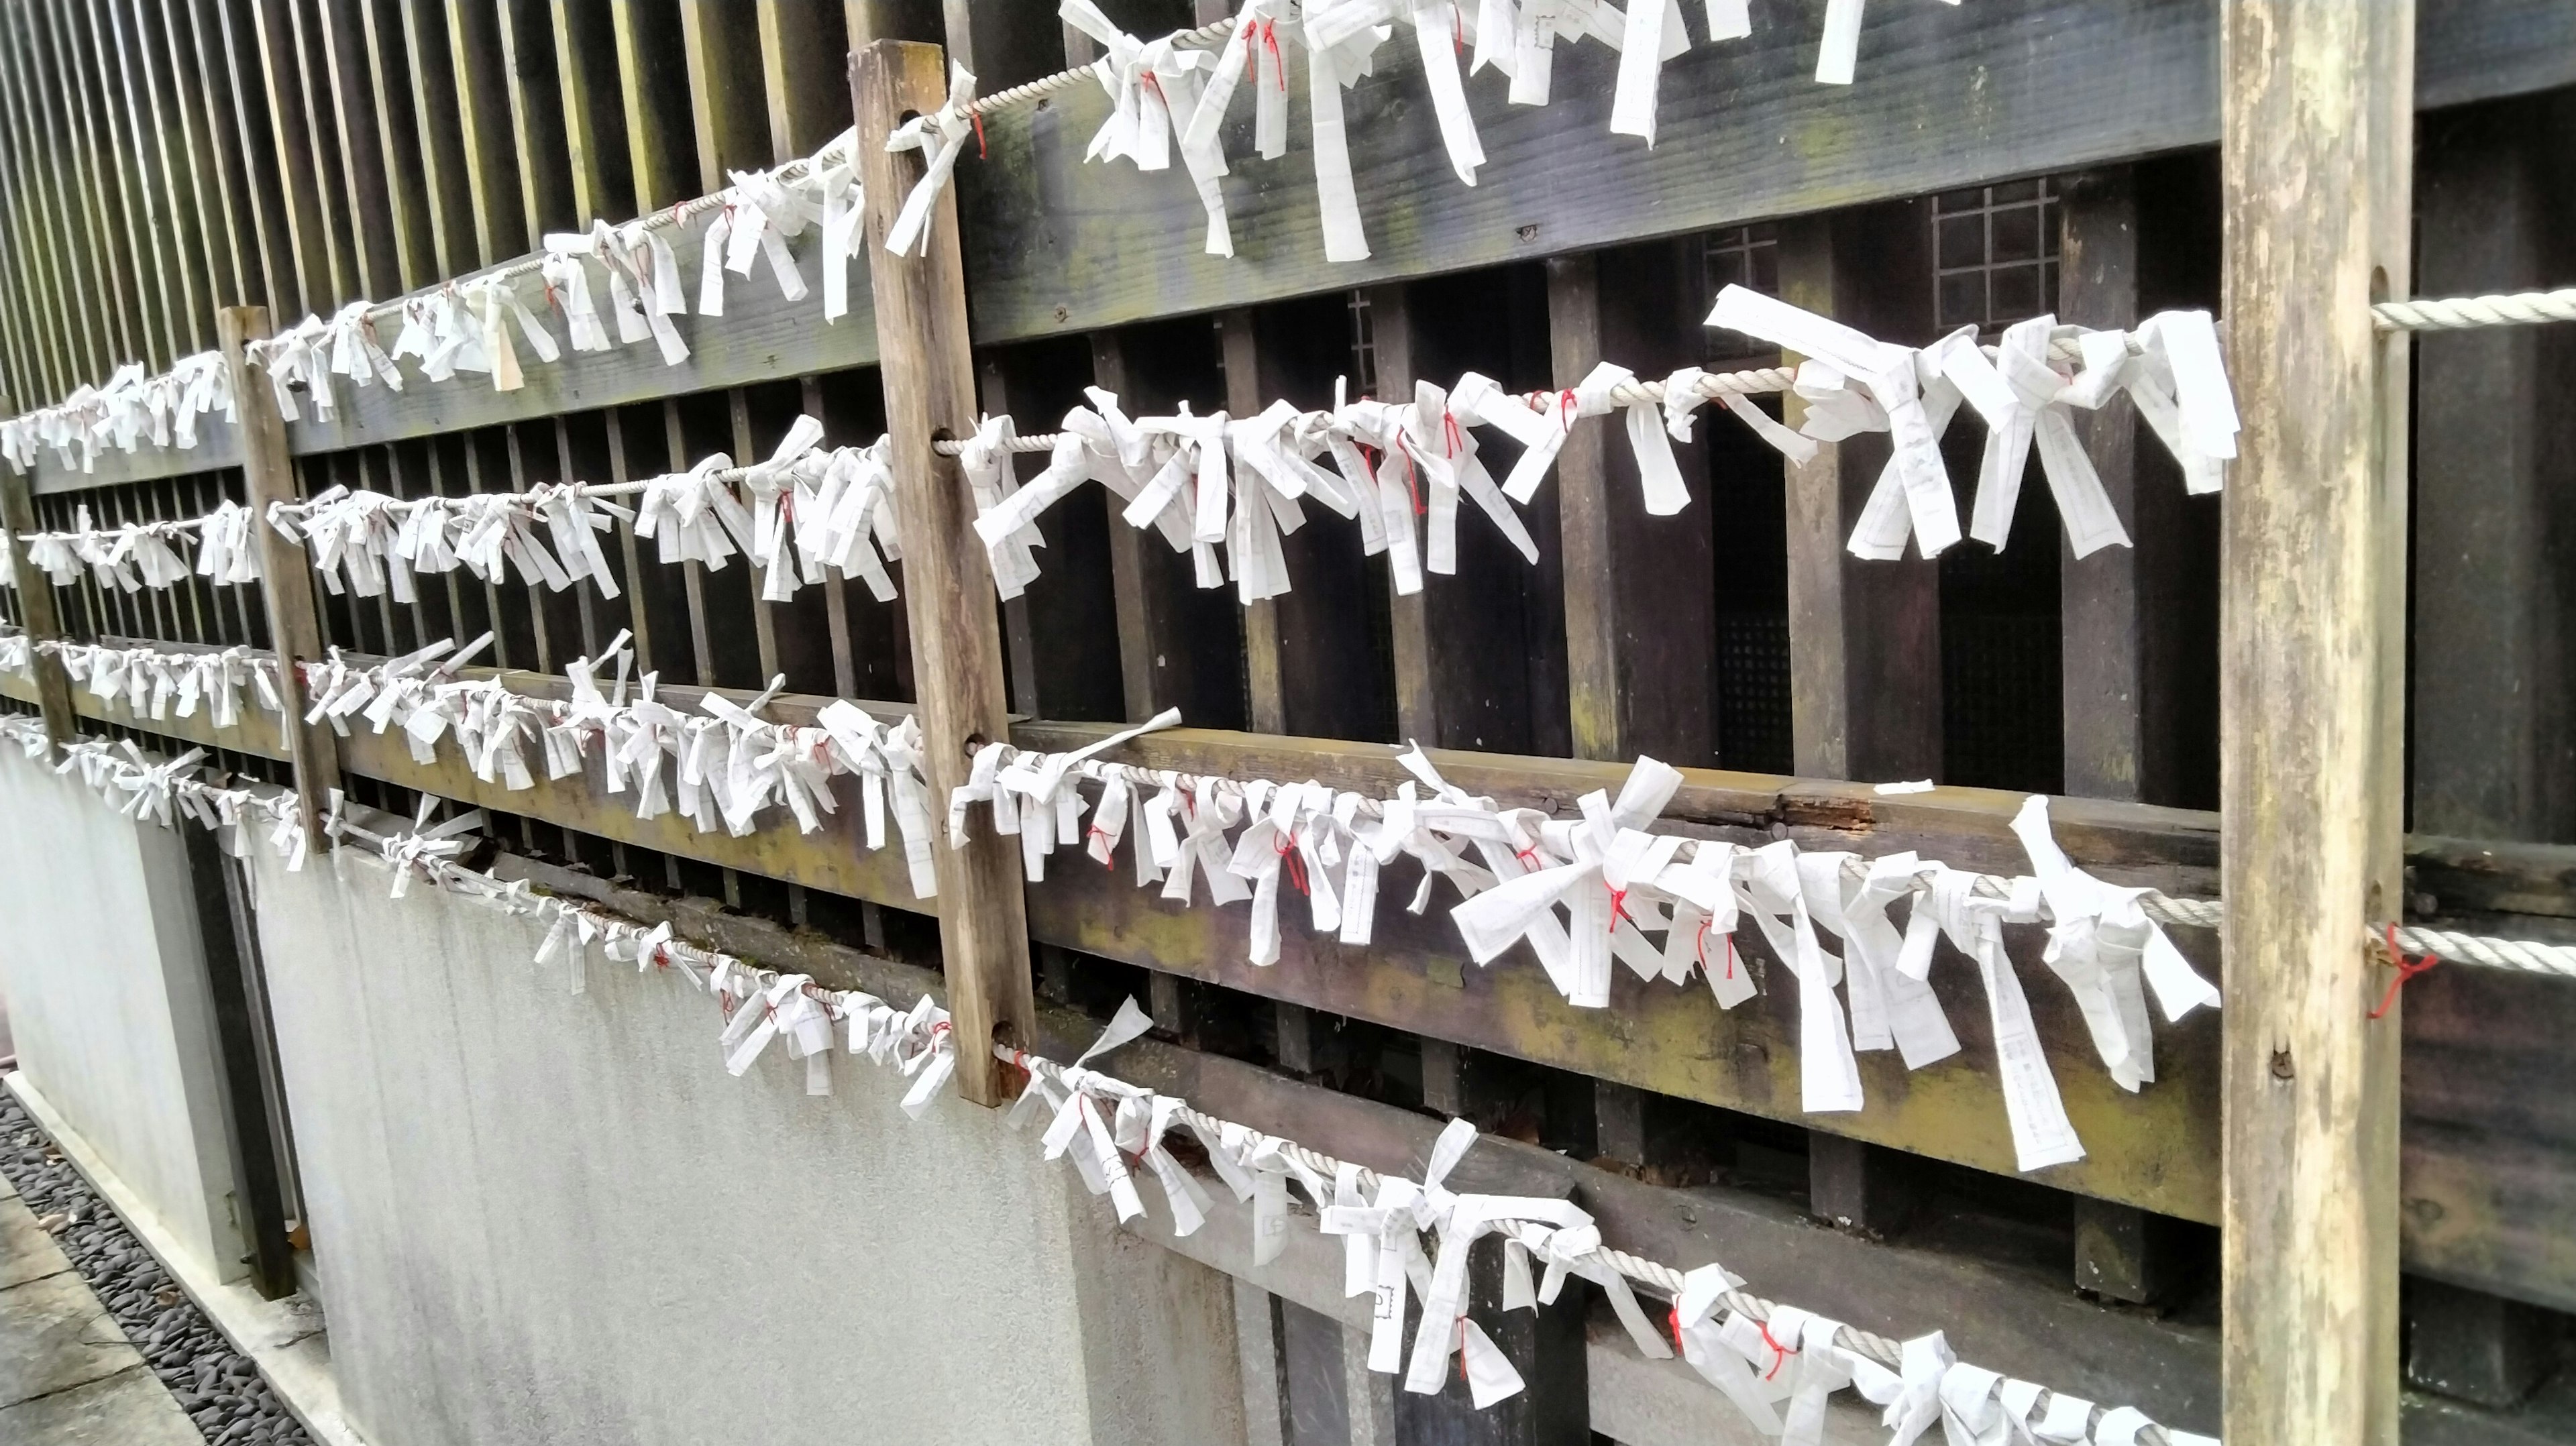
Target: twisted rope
[
  {"x": 2520, "y": 308},
  {"x": 1658, "y": 1278}
]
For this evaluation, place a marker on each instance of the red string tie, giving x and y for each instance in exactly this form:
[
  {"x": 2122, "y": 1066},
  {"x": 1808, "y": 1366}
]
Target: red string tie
[
  {"x": 1565, "y": 408},
  {"x": 1676, "y": 1318},
  {"x": 1619, "y": 908},
  {"x": 1780, "y": 1354},
  {"x": 1107, "y": 845},
  {"x": 2405, "y": 970},
  {"x": 1278, "y": 62},
  {"x": 1451, "y": 441},
  {"x": 1294, "y": 861},
  {"x": 981, "y": 153},
  {"x": 1529, "y": 857},
  {"x": 1412, "y": 487}
]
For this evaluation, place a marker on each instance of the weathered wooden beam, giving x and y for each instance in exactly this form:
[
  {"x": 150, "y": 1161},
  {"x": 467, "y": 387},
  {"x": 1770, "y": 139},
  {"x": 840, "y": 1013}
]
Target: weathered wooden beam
[
  {"x": 1640, "y": 591},
  {"x": 2317, "y": 160},
  {"x": 286, "y": 585},
  {"x": 2491, "y": 696},
  {"x": 2102, "y": 640},
  {"x": 38, "y": 613},
  {"x": 2059, "y": 85},
  {"x": 2488, "y": 1176},
  {"x": 957, "y": 663},
  {"x": 1864, "y": 636},
  {"x": 2477, "y": 1347}
]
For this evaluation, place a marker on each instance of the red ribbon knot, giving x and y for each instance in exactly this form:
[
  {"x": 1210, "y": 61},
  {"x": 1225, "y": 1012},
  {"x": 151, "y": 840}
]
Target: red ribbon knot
[{"x": 2405, "y": 970}]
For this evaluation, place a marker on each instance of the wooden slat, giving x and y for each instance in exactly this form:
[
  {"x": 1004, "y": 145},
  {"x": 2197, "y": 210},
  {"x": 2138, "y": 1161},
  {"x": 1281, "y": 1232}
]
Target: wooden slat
[
  {"x": 357, "y": 125},
  {"x": 2102, "y": 643},
  {"x": 594, "y": 137},
  {"x": 1640, "y": 591},
  {"x": 484, "y": 133},
  {"x": 313, "y": 93},
  {"x": 407, "y": 203},
  {"x": 2490, "y": 699},
  {"x": 2490, "y": 1166},
  {"x": 185, "y": 321},
  {"x": 2318, "y": 162},
  {"x": 76, "y": 253},
  {"x": 75, "y": 84},
  {"x": 288, "y": 578},
  {"x": 37, "y": 615},
  {"x": 142, "y": 37},
  {"x": 652, "y": 81},
  {"x": 536, "y": 119},
  {"x": 957, "y": 665},
  {"x": 281, "y": 97},
  {"x": 1864, "y": 637},
  {"x": 205, "y": 83},
  {"x": 243, "y": 90},
  {"x": 1310, "y": 657},
  {"x": 2056, "y": 86},
  {"x": 31, "y": 246}
]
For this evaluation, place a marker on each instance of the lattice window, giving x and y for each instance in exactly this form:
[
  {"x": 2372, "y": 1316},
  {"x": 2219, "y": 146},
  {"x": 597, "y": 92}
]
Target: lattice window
[
  {"x": 1740, "y": 256},
  {"x": 1994, "y": 253},
  {"x": 1363, "y": 347}
]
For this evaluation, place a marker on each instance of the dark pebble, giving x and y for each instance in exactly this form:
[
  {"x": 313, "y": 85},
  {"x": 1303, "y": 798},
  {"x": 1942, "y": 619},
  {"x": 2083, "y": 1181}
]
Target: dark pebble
[{"x": 215, "y": 1387}]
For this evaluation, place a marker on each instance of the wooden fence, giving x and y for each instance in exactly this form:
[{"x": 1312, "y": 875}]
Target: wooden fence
[{"x": 169, "y": 158}]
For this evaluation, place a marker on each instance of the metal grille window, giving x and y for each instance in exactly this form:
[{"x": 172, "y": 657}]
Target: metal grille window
[
  {"x": 1746, "y": 256},
  {"x": 1363, "y": 347},
  {"x": 1994, "y": 253}
]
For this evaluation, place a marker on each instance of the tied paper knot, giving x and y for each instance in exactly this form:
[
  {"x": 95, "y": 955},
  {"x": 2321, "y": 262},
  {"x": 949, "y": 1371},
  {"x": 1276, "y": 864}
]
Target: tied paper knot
[
  {"x": 1852, "y": 383},
  {"x": 1162, "y": 96},
  {"x": 939, "y": 136}
]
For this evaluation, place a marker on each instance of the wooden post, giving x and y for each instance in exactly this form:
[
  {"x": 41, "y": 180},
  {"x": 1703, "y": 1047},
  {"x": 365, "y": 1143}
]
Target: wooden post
[
  {"x": 286, "y": 574},
  {"x": 956, "y": 638},
  {"x": 36, "y": 597},
  {"x": 2317, "y": 113},
  {"x": 1640, "y": 591},
  {"x": 1864, "y": 637},
  {"x": 2102, "y": 640}
]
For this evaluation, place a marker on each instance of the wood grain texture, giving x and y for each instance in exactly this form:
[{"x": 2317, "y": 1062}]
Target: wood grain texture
[
  {"x": 268, "y": 475},
  {"x": 38, "y": 614},
  {"x": 1864, "y": 636},
  {"x": 956, "y": 641},
  {"x": 2101, "y": 647},
  {"x": 2490, "y": 1165},
  {"x": 2316, "y": 168},
  {"x": 1947, "y": 96}
]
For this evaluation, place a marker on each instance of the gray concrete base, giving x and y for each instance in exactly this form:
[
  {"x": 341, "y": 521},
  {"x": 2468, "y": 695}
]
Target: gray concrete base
[
  {"x": 68, "y": 1377},
  {"x": 283, "y": 1338}
]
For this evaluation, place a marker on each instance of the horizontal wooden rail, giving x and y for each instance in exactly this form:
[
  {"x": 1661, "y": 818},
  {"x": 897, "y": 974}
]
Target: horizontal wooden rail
[
  {"x": 1947, "y": 97},
  {"x": 762, "y": 337},
  {"x": 2490, "y": 1185},
  {"x": 1055, "y": 246},
  {"x": 2026, "y": 1324}
]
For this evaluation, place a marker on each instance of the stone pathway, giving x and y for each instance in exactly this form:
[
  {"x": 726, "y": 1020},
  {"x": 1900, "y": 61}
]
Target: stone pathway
[
  {"x": 67, "y": 1373},
  {"x": 71, "y": 1372}
]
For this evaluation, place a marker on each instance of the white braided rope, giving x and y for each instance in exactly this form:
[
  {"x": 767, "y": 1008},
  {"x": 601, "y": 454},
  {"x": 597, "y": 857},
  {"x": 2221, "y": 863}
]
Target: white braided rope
[
  {"x": 2520, "y": 308},
  {"x": 1654, "y": 1275}
]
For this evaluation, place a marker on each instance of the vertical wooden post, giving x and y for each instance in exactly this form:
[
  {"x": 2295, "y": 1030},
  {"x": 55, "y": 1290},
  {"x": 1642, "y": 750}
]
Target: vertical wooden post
[
  {"x": 2489, "y": 747},
  {"x": 956, "y": 637},
  {"x": 286, "y": 576},
  {"x": 2101, "y": 642},
  {"x": 1864, "y": 637},
  {"x": 1640, "y": 591},
  {"x": 36, "y": 598},
  {"x": 2317, "y": 113}
]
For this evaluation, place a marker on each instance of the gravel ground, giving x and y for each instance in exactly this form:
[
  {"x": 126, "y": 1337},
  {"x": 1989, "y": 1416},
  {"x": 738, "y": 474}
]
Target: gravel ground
[{"x": 221, "y": 1392}]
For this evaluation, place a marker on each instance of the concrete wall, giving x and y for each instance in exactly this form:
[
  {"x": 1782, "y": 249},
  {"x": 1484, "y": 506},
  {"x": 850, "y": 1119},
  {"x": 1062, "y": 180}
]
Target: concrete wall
[
  {"x": 547, "y": 1217},
  {"x": 104, "y": 972}
]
